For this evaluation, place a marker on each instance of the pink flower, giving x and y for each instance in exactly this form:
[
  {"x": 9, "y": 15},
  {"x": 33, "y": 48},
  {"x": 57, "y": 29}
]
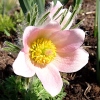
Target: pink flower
[
  {"x": 48, "y": 50},
  {"x": 53, "y": 9}
]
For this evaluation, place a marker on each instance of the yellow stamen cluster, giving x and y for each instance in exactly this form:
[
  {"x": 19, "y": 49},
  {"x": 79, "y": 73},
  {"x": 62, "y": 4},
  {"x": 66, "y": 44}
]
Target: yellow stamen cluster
[{"x": 42, "y": 51}]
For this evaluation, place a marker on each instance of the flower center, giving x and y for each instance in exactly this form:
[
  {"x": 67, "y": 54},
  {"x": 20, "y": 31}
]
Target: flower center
[{"x": 42, "y": 51}]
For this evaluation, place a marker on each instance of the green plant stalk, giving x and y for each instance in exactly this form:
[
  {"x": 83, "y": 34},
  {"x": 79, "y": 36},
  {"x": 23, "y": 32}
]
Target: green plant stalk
[{"x": 98, "y": 38}]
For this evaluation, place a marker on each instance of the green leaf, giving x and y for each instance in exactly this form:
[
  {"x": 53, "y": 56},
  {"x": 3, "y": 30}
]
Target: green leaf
[
  {"x": 57, "y": 12},
  {"x": 70, "y": 19},
  {"x": 3, "y": 7},
  {"x": 27, "y": 4},
  {"x": 10, "y": 47},
  {"x": 34, "y": 15},
  {"x": 28, "y": 17},
  {"x": 55, "y": 1},
  {"x": 63, "y": 16},
  {"x": 76, "y": 25},
  {"x": 32, "y": 9},
  {"x": 77, "y": 5},
  {"x": 13, "y": 88},
  {"x": 75, "y": 11},
  {"x": 24, "y": 8},
  {"x": 64, "y": 2},
  {"x": 44, "y": 17},
  {"x": 6, "y": 24},
  {"x": 41, "y": 6},
  {"x": 6, "y": 32}
]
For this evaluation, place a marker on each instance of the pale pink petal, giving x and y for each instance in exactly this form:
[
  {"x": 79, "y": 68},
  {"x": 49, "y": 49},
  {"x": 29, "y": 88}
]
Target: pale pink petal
[
  {"x": 54, "y": 25},
  {"x": 72, "y": 62},
  {"x": 29, "y": 62},
  {"x": 50, "y": 78},
  {"x": 31, "y": 33},
  {"x": 53, "y": 8},
  {"x": 68, "y": 15},
  {"x": 68, "y": 40},
  {"x": 20, "y": 67}
]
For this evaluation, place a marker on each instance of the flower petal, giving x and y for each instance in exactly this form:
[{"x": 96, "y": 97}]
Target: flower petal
[
  {"x": 31, "y": 33},
  {"x": 20, "y": 67},
  {"x": 54, "y": 25},
  {"x": 68, "y": 40},
  {"x": 50, "y": 78},
  {"x": 72, "y": 62},
  {"x": 54, "y": 9},
  {"x": 68, "y": 15}
]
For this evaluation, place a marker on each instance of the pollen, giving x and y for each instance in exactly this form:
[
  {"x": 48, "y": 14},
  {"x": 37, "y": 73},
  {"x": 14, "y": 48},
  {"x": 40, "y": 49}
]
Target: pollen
[{"x": 42, "y": 51}]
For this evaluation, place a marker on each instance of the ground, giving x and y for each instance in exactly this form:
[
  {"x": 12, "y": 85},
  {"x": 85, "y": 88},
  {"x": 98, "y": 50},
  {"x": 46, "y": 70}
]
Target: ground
[{"x": 83, "y": 84}]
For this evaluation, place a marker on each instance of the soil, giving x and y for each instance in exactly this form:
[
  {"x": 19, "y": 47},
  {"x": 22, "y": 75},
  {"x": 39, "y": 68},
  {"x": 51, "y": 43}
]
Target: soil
[{"x": 83, "y": 84}]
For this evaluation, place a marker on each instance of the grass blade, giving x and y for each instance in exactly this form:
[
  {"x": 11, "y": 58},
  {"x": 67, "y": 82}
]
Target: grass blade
[{"x": 98, "y": 38}]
